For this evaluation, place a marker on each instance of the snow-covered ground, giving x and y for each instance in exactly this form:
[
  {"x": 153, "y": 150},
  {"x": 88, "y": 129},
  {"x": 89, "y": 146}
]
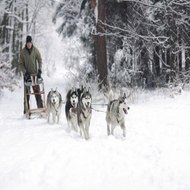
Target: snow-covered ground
[{"x": 155, "y": 155}]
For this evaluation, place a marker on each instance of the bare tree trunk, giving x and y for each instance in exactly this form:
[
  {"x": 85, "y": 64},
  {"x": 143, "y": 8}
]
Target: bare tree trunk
[
  {"x": 157, "y": 61},
  {"x": 187, "y": 60},
  {"x": 101, "y": 45},
  {"x": 27, "y": 18},
  {"x": 180, "y": 60},
  {"x": 4, "y": 26}
]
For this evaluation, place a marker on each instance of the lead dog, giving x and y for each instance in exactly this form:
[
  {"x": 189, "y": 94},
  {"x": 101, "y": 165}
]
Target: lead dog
[
  {"x": 71, "y": 108},
  {"x": 115, "y": 115},
  {"x": 54, "y": 105},
  {"x": 84, "y": 113}
]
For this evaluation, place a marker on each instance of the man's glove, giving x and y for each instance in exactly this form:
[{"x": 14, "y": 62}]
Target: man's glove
[
  {"x": 39, "y": 73},
  {"x": 40, "y": 79},
  {"x": 27, "y": 76}
]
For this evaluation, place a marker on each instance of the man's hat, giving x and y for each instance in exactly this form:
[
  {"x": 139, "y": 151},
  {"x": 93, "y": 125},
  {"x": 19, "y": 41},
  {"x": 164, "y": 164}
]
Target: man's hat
[{"x": 28, "y": 39}]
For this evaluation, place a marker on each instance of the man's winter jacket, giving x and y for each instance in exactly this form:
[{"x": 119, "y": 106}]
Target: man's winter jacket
[{"x": 30, "y": 60}]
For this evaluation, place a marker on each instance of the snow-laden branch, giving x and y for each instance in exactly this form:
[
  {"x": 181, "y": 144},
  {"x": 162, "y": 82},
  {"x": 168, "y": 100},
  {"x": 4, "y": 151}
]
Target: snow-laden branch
[
  {"x": 16, "y": 17},
  {"x": 142, "y": 3},
  {"x": 131, "y": 33}
]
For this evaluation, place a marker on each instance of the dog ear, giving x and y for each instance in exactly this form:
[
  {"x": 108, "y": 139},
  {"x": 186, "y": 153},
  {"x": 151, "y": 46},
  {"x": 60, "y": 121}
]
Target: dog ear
[
  {"x": 73, "y": 89},
  {"x": 88, "y": 90},
  {"x": 84, "y": 89},
  {"x": 121, "y": 100}
]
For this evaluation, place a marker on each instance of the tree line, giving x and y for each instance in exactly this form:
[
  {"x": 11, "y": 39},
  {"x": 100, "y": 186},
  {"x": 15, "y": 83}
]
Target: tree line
[
  {"x": 130, "y": 42},
  {"x": 18, "y": 18},
  {"x": 133, "y": 42}
]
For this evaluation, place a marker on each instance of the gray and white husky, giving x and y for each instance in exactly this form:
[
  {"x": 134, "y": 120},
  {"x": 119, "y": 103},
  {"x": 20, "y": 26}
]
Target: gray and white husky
[
  {"x": 71, "y": 108},
  {"x": 84, "y": 113},
  {"x": 115, "y": 115},
  {"x": 54, "y": 105}
]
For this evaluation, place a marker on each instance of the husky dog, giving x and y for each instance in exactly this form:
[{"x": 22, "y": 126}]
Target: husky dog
[
  {"x": 115, "y": 114},
  {"x": 54, "y": 105},
  {"x": 71, "y": 108},
  {"x": 84, "y": 113}
]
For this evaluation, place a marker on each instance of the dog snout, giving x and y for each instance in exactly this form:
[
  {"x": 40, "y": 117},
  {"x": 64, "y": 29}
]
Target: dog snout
[
  {"x": 74, "y": 103},
  {"x": 128, "y": 108}
]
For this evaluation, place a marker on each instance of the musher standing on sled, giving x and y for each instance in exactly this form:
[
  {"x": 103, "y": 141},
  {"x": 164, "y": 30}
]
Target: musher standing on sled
[{"x": 31, "y": 63}]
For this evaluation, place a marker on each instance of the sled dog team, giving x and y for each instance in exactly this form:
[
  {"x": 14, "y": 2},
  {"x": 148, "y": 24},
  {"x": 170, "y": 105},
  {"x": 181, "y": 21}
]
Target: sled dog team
[{"x": 78, "y": 110}]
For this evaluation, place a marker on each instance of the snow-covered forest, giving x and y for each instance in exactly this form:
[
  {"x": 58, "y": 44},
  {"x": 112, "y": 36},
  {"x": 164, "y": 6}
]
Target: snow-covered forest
[
  {"x": 139, "y": 47},
  {"x": 128, "y": 43}
]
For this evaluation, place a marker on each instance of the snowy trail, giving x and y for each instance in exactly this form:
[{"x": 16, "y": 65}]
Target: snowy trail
[{"x": 155, "y": 154}]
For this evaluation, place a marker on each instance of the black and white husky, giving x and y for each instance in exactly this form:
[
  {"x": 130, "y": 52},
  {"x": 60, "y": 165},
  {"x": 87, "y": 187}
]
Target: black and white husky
[
  {"x": 54, "y": 105},
  {"x": 84, "y": 113},
  {"x": 115, "y": 115},
  {"x": 71, "y": 108}
]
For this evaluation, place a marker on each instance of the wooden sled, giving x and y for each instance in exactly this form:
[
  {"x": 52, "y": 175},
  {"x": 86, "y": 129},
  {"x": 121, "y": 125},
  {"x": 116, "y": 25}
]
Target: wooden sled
[{"x": 41, "y": 112}]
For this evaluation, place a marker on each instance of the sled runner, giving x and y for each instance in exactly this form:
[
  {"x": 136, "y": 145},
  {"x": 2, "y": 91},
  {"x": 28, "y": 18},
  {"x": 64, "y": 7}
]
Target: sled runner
[{"x": 34, "y": 89}]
